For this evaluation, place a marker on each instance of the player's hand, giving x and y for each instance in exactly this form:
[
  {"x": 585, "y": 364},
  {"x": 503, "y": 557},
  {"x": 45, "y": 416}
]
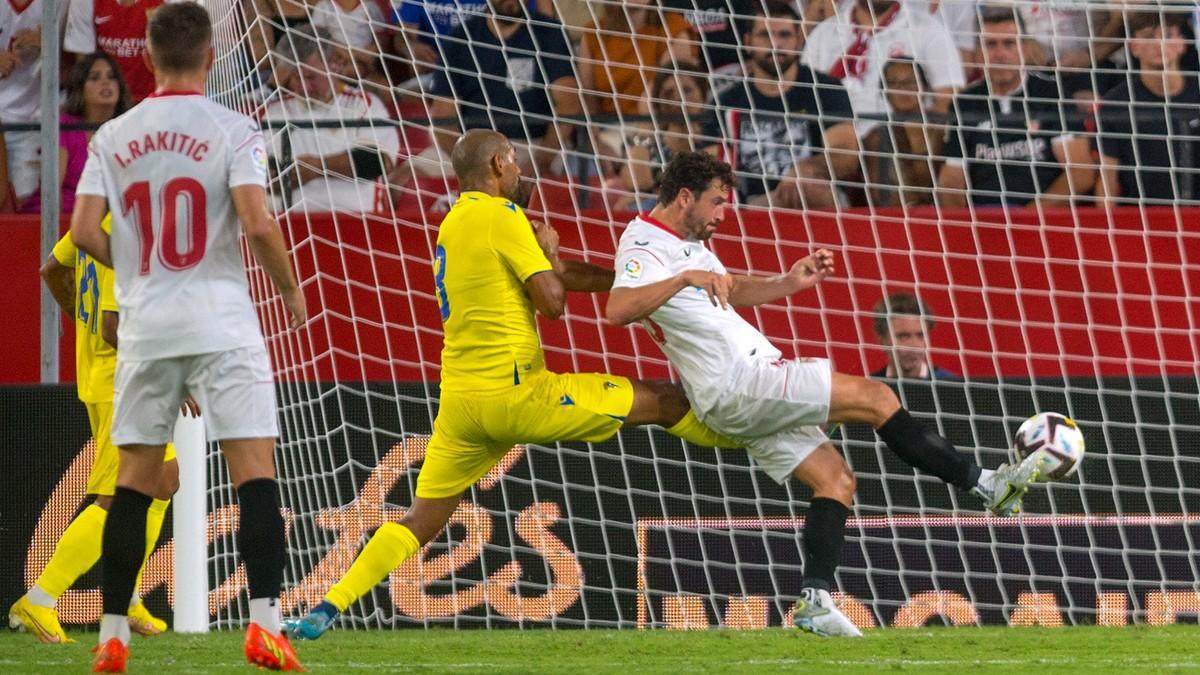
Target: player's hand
[
  {"x": 294, "y": 300},
  {"x": 8, "y": 63},
  {"x": 547, "y": 238},
  {"x": 189, "y": 407},
  {"x": 716, "y": 286},
  {"x": 811, "y": 269}
]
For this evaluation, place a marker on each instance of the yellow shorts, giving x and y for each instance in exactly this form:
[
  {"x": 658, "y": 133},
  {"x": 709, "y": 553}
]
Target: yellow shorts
[
  {"x": 471, "y": 433},
  {"x": 103, "y": 478}
]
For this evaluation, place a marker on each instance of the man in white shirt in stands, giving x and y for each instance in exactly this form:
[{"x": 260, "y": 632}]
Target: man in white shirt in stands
[
  {"x": 331, "y": 168},
  {"x": 740, "y": 385},
  {"x": 855, "y": 44},
  {"x": 182, "y": 176}
]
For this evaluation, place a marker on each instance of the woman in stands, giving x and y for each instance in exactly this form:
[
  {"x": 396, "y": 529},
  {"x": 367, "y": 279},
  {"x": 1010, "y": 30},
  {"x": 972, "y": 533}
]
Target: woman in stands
[{"x": 95, "y": 93}]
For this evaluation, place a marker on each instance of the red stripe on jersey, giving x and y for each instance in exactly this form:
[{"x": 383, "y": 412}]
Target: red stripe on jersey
[
  {"x": 174, "y": 92},
  {"x": 660, "y": 225},
  {"x": 660, "y": 262}
]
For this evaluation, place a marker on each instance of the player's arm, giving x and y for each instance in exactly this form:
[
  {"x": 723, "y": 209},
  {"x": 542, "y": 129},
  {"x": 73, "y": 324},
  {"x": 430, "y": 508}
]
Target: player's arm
[
  {"x": 575, "y": 275},
  {"x": 60, "y": 281},
  {"x": 805, "y": 273},
  {"x": 628, "y": 304},
  {"x": 86, "y": 232},
  {"x": 266, "y": 243}
]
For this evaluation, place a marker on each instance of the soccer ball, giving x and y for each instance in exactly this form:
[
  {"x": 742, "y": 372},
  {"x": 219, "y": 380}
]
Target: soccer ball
[{"x": 1055, "y": 441}]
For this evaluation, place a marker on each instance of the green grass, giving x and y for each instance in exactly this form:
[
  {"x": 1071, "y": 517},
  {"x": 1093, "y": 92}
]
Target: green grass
[{"x": 576, "y": 652}]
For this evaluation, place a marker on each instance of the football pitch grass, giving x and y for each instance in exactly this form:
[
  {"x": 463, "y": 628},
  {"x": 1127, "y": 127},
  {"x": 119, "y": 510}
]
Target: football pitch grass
[{"x": 942, "y": 650}]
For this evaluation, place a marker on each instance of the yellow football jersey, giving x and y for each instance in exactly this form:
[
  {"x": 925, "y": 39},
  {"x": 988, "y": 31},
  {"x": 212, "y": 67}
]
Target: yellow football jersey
[
  {"x": 95, "y": 359},
  {"x": 486, "y": 250}
]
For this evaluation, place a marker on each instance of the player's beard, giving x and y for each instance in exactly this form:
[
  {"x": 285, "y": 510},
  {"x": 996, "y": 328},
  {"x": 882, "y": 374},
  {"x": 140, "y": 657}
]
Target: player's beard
[
  {"x": 520, "y": 192},
  {"x": 699, "y": 228}
]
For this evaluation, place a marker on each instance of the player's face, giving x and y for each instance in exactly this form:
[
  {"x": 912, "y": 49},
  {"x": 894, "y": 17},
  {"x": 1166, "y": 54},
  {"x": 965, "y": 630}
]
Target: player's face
[
  {"x": 774, "y": 44},
  {"x": 1155, "y": 48},
  {"x": 101, "y": 88},
  {"x": 1002, "y": 56},
  {"x": 909, "y": 343},
  {"x": 706, "y": 212},
  {"x": 510, "y": 176}
]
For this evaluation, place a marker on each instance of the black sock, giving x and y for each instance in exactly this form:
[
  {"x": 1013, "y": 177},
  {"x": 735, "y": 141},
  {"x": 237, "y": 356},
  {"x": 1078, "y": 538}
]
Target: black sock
[
  {"x": 261, "y": 540},
  {"x": 824, "y": 533},
  {"x": 923, "y": 449},
  {"x": 123, "y": 547}
]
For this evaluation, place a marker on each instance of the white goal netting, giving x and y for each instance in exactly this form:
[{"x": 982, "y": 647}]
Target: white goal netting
[{"x": 1022, "y": 180}]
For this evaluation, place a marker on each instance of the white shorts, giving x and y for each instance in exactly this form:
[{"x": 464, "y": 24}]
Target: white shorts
[
  {"x": 24, "y": 150},
  {"x": 234, "y": 388},
  {"x": 775, "y": 408}
]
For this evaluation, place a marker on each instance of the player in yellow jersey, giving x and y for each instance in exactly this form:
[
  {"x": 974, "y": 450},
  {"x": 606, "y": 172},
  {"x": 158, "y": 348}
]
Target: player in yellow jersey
[
  {"x": 84, "y": 290},
  {"x": 492, "y": 270}
]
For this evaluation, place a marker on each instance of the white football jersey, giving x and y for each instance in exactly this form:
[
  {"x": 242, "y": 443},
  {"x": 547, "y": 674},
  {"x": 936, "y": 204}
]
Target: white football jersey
[
  {"x": 706, "y": 345},
  {"x": 331, "y": 193},
  {"x": 166, "y": 168},
  {"x": 21, "y": 91},
  {"x": 912, "y": 32}
]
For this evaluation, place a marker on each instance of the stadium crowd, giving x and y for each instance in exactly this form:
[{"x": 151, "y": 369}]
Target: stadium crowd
[{"x": 817, "y": 103}]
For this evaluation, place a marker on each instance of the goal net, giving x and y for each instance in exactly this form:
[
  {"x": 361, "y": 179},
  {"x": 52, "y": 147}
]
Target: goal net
[{"x": 1046, "y": 236}]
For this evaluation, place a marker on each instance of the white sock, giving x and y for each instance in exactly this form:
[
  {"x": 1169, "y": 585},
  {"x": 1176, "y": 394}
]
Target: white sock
[
  {"x": 39, "y": 597},
  {"x": 135, "y": 600},
  {"x": 114, "y": 626},
  {"x": 265, "y": 613}
]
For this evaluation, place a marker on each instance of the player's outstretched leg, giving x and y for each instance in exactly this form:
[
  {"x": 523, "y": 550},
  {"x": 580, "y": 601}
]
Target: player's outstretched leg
[
  {"x": 389, "y": 547},
  {"x": 262, "y": 546},
  {"x": 833, "y": 486},
  {"x": 856, "y": 399}
]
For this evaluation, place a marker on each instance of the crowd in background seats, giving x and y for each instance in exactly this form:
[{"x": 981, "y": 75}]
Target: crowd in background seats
[{"x": 817, "y": 103}]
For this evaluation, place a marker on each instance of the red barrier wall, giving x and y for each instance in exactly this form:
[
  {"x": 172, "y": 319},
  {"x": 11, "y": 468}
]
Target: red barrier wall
[{"x": 1019, "y": 292}]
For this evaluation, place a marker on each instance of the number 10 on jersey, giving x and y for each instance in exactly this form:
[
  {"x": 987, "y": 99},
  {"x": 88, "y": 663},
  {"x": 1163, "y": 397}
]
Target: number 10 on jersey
[{"x": 186, "y": 192}]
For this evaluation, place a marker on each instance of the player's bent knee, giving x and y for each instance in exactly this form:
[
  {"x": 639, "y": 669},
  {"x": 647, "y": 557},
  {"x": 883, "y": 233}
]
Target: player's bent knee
[{"x": 169, "y": 483}]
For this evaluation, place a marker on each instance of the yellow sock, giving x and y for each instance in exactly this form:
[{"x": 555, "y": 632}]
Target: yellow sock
[
  {"x": 692, "y": 430},
  {"x": 154, "y": 522},
  {"x": 392, "y": 544},
  {"x": 77, "y": 550}
]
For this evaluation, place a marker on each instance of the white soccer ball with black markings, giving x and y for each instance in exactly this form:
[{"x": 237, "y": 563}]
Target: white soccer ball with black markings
[{"x": 1055, "y": 441}]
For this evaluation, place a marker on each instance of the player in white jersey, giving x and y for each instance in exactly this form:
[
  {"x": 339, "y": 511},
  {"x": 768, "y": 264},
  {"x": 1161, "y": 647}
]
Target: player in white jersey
[
  {"x": 179, "y": 172},
  {"x": 740, "y": 385}
]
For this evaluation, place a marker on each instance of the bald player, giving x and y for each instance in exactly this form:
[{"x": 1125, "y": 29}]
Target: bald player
[{"x": 493, "y": 269}]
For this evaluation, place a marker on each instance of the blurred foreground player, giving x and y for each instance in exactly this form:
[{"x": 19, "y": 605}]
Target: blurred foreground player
[{"x": 179, "y": 173}]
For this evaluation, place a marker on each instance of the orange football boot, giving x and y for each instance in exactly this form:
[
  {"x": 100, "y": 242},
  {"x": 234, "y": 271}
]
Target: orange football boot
[{"x": 272, "y": 652}]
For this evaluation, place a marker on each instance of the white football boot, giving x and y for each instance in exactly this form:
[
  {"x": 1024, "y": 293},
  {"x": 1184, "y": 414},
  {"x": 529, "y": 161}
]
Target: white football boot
[
  {"x": 817, "y": 613},
  {"x": 1002, "y": 490}
]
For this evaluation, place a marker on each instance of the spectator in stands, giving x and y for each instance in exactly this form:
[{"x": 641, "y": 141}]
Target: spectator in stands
[
  {"x": 352, "y": 25},
  {"x": 1149, "y": 127},
  {"x": 906, "y": 151},
  {"x": 903, "y": 325},
  {"x": 331, "y": 168},
  {"x": 504, "y": 72},
  {"x": 855, "y": 44},
  {"x": 621, "y": 52},
  {"x": 676, "y": 110},
  {"x": 787, "y": 130},
  {"x": 117, "y": 28},
  {"x": 95, "y": 93},
  {"x": 718, "y": 25},
  {"x": 20, "y": 90},
  {"x": 1010, "y": 140},
  {"x": 424, "y": 22},
  {"x": 1076, "y": 40}
]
